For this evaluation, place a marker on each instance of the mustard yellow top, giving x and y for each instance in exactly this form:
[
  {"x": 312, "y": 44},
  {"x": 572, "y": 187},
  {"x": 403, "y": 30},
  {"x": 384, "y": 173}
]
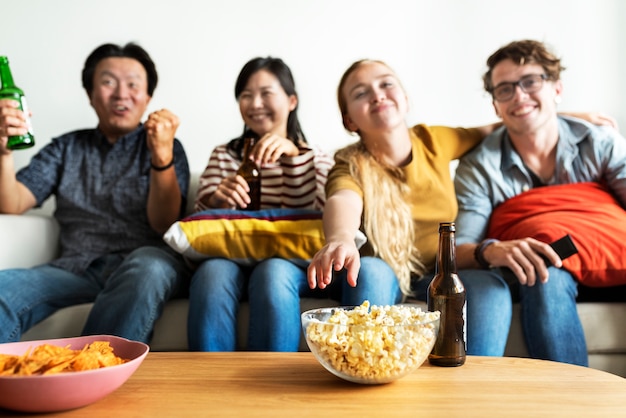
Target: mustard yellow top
[{"x": 429, "y": 179}]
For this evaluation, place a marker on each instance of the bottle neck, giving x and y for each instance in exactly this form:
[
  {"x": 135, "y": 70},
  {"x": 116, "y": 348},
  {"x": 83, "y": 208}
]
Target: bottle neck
[
  {"x": 6, "y": 78},
  {"x": 248, "y": 144},
  {"x": 446, "y": 259}
]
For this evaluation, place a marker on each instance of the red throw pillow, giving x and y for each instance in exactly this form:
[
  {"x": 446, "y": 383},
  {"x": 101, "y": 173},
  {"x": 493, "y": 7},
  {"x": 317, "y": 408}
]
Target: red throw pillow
[{"x": 586, "y": 211}]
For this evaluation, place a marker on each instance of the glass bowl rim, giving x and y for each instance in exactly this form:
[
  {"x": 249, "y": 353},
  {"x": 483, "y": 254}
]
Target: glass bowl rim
[{"x": 307, "y": 317}]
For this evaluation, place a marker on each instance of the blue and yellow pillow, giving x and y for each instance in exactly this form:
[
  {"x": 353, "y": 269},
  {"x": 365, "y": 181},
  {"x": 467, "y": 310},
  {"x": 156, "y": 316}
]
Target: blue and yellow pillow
[{"x": 248, "y": 236}]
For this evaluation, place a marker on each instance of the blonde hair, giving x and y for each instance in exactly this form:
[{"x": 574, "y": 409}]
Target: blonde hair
[{"x": 387, "y": 219}]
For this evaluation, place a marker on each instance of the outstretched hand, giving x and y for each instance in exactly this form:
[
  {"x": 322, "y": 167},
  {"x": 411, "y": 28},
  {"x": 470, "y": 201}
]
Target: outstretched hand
[{"x": 334, "y": 256}]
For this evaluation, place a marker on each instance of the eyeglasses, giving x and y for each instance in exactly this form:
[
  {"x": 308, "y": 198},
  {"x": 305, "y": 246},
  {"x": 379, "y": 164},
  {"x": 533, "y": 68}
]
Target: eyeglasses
[{"x": 530, "y": 83}]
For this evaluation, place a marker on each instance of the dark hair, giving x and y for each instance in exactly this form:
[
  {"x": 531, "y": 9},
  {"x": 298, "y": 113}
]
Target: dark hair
[
  {"x": 130, "y": 50},
  {"x": 281, "y": 71},
  {"x": 522, "y": 53}
]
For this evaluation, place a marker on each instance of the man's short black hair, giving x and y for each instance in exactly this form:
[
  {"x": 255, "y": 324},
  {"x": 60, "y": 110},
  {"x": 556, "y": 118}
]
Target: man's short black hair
[{"x": 130, "y": 50}]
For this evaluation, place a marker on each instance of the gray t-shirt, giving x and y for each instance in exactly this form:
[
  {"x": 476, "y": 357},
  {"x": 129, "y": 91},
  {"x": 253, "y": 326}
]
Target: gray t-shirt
[{"x": 101, "y": 193}]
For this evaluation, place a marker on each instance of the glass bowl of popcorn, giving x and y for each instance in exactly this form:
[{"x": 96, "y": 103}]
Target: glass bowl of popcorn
[{"x": 370, "y": 344}]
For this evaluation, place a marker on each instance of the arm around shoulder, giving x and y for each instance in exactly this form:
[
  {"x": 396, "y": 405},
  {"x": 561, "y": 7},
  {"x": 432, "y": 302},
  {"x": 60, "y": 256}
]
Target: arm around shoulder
[
  {"x": 486, "y": 130},
  {"x": 596, "y": 118}
]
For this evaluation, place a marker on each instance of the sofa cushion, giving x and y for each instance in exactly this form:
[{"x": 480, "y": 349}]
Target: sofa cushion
[{"x": 27, "y": 240}]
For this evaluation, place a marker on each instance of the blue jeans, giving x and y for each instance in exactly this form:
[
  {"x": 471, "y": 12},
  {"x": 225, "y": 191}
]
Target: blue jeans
[
  {"x": 128, "y": 293},
  {"x": 376, "y": 283},
  {"x": 275, "y": 288},
  {"x": 550, "y": 321},
  {"x": 274, "y": 291},
  {"x": 215, "y": 291}
]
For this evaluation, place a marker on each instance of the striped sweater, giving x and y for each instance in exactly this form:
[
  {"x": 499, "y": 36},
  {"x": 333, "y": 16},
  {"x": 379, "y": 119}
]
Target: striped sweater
[{"x": 293, "y": 182}]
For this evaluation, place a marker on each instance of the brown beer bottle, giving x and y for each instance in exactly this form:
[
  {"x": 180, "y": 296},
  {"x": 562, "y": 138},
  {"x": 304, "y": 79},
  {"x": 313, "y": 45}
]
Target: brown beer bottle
[
  {"x": 251, "y": 173},
  {"x": 446, "y": 294}
]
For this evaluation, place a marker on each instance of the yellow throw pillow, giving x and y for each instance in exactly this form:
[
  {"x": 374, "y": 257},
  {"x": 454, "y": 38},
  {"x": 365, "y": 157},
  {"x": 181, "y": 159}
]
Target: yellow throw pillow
[{"x": 248, "y": 236}]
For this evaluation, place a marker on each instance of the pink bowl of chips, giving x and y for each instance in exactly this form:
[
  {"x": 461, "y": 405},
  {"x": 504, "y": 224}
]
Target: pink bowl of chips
[{"x": 68, "y": 389}]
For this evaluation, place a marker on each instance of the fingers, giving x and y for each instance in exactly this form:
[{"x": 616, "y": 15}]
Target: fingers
[
  {"x": 598, "y": 118},
  {"x": 232, "y": 192},
  {"x": 524, "y": 259},
  {"x": 271, "y": 147},
  {"x": 161, "y": 127},
  {"x": 160, "y": 132},
  {"x": 12, "y": 120},
  {"x": 523, "y": 267},
  {"x": 331, "y": 258},
  {"x": 162, "y": 121},
  {"x": 9, "y": 103},
  {"x": 353, "y": 267},
  {"x": 320, "y": 271},
  {"x": 602, "y": 119},
  {"x": 311, "y": 275},
  {"x": 11, "y": 128}
]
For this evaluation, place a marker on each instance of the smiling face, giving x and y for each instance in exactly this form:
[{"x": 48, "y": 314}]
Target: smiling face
[
  {"x": 525, "y": 113},
  {"x": 119, "y": 96},
  {"x": 372, "y": 99},
  {"x": 264, "y": 104}
]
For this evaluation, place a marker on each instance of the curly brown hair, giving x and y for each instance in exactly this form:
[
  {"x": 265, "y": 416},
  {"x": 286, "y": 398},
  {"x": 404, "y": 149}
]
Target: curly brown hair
[{"x": 521, "y": 53}]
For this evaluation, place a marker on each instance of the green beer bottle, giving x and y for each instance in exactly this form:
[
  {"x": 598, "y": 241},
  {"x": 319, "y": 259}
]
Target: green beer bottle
[{"x": 8, "y": 90}]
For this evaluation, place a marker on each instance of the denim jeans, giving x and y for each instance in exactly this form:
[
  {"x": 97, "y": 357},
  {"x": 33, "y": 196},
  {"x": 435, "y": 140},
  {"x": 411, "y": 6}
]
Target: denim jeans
[
  {"x": 128, "y": 293},
  {"x": 274, "y": 291},
  {"x": 376, "y": 283},
  {"x": 550, "y": 322},
  {"x": 216, "y": 289},
  {"x": 276, "y": 286}
]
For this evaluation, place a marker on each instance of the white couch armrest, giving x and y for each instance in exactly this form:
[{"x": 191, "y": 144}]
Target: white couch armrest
[{"x": 27, "y": 240}]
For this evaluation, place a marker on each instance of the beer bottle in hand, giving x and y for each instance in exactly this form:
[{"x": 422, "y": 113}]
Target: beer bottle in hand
[
  {"x": 446, "y": 294},
  {"x": 8, "y": 90},
  {"x": 251, "y": 173}
]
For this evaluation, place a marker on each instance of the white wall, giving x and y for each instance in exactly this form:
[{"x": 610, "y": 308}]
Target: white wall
[{"x": 438, "y": 48}]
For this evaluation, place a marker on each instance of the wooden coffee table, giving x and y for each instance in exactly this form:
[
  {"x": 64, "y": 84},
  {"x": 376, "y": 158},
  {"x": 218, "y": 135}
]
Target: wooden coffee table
[{"x": 247, "y": 384}]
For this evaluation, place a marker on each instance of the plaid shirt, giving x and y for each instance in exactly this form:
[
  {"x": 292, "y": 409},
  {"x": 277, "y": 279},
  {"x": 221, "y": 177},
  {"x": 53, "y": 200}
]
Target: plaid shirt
[{"x": 101, "y": 193}]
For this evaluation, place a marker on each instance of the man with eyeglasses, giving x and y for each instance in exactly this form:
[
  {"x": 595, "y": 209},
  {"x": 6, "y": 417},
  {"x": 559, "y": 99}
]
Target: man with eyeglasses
[{"x": 536, "y": 154}]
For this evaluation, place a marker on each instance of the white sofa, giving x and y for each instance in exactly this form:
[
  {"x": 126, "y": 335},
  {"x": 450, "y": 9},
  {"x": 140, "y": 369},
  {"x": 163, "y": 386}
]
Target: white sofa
[{"x": 31, "y": 239}]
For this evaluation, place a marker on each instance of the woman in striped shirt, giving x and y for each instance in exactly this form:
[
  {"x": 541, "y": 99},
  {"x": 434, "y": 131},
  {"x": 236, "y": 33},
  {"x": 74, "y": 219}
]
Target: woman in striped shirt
[{"x": 293, "y": 176}]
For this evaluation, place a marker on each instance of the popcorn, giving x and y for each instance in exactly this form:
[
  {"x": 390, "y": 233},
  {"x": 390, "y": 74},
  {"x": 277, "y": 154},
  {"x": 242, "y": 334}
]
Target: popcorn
[{"x": 375, "y": 344}]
